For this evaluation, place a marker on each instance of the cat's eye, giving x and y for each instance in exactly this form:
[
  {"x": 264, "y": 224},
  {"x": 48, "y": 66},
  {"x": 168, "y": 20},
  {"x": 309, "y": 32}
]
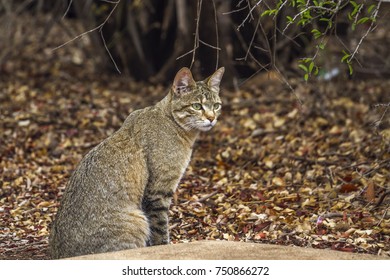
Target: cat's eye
[
  {"x": 197, "y": 106},
  {"x": 217, "y": 106}
]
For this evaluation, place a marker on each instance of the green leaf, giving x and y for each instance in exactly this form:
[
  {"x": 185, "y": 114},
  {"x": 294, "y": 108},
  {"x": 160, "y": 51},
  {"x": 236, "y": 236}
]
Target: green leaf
[
  {"x": 363, "y": 20},
  {"x": 269, "y": 12},
  {"x": 302, "y": 22},
  {"x": 289, "y": 19},
  {"x": 293, "y": 3},
  {"x": 345, "y": 57},
  {"x": 317, "y": 34},
  {"x": 330, "y": 23},
  {"x": 307, "y": 15},
  {"x": 369, "y": 10},
  {"x": 303, "y": 67},
  {"x": 265, "y": 13},
  {"x": 311, "y": 66},
  {"x": 355, "y": 10},
  {"x": 306, "y": 77},
  {"x": 316, "y": 71},
  {"x": 321, "y": 46},
  {"x": 350, "y": 68}
]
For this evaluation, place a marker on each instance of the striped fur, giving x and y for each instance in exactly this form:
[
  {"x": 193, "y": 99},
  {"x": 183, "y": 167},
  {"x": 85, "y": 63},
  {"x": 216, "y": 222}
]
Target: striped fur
[{"x": 119, "y": 195}]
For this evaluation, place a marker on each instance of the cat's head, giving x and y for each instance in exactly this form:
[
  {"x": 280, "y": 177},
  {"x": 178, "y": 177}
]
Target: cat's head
[{"x": 196, "y": 105}]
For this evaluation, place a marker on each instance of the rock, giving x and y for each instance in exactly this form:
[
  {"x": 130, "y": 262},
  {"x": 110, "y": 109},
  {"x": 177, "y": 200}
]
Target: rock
[{"x": 228, "y": 250}]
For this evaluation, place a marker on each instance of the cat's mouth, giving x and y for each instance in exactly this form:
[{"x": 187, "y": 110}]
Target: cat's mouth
[{"x": 206, "y": 126}]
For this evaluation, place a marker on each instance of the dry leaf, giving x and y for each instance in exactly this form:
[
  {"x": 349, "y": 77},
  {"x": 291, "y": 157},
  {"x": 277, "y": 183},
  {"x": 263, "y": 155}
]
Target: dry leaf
[
  {"x": 346, "y": 188},
  {"x": 370, "y": 191}
]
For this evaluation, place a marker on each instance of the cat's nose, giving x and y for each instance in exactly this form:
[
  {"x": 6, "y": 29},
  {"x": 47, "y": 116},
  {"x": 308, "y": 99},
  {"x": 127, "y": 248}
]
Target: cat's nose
[{"x": 210, "y": 118}]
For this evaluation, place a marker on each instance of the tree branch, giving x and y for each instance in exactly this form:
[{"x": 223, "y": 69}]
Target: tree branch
[{"x": 98, "y": 28}]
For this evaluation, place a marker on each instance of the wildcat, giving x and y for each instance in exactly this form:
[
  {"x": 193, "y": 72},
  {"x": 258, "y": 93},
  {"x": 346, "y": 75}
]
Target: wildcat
[{"x": 119, "y": 195}]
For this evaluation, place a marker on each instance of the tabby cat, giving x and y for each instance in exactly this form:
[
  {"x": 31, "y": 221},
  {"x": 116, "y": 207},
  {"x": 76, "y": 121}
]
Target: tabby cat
[{"x": 119, "y": 195}]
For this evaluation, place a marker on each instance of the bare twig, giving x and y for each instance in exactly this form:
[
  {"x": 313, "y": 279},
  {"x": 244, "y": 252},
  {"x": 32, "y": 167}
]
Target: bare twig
[
  {"x": 216, "y": 33},
  {"x": 235, "y": 11},
  {"x": 196, "y": 36},
  {"x": 383, "y": 216},
  {"x": 380, "y": 201},
  {"x": 109, "y": 53},
  {"x": 331, "y": 11},
  {"x": 208, "y": 45},
  {"x": 98, "y": 28},
  {"x": 249, "y": 14},
  {"x": 380, "y": 165},
  {"x": 253, "y": 38},
  {"x": 358, "y": 13},
  {"x": 187, "y": 53},
  {"x": 284, "y": 79},
  {"x": 108, "y": 1},
  {"x": 67, "y": 9},
  {"x": 374, "y": 16},
  {"x": 204, "y": 198}
]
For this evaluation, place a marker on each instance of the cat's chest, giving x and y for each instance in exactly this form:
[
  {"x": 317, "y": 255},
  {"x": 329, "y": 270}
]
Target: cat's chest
[
  {"x": 166, "y": 147},
  {"x": 177, "y": 153}
]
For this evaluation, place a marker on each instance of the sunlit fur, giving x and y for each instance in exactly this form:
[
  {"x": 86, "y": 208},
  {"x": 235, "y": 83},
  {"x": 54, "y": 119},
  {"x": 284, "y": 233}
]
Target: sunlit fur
[
  {"x": 191, "y": 119},
  {"x": 119, "y": 195}
]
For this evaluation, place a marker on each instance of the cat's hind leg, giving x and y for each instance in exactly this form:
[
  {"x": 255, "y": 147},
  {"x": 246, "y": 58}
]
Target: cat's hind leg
[
  {"x": 156, "y": 207},
  {"x": 129, "y": 232}
]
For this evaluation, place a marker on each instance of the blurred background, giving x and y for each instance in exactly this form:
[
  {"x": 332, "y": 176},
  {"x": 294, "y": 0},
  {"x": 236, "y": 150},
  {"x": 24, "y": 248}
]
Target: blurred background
[{"x": 150, "y": 40}]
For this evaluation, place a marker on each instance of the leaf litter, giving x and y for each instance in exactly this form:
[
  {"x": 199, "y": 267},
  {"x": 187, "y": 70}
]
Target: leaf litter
[{"x": 272, "y": 171}]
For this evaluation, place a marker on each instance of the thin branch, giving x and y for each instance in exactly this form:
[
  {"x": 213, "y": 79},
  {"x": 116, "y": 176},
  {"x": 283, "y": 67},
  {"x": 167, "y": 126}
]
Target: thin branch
[
  {"x": 187, "y": 53},
  {"x": 357, "y": 14},
  {"x": 380, "y": 201},
  {"x": 208, "y": 45},
  {"x": 67, "y": 9},
  {"x": 196, "y": 37},
  {"x": 97, "y": 28},
  {"x": 204, "y": 198},
  {"x": 375, "y": 14},
  {"x": 109, "y": 53},
  {"x": 235, "y": 11},
  {"x": 272, "y": 50},
  {"x": 249, "y": 15},
  {"x": 284, "y": 79},
  {"x": 280, "y": 8},
  {"x": 108, "y": 1},
  {"x": 216, "y": 33},
  {"x": 383, "y": 216},
  {"x": 332, "y": 11},
  {"x": 253, "y": 38}
]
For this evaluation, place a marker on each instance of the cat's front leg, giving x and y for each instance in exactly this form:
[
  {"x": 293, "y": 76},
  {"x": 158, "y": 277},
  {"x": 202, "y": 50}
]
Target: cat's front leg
[{"x": 156, "y": 207}]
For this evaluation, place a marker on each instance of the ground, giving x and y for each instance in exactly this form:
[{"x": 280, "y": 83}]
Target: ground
[{"x": 308, "y": 167}]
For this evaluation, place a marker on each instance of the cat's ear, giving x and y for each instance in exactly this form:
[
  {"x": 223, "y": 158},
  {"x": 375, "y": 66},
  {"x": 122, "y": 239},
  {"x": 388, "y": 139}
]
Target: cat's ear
[
  {"x": 183, "y": 81},
  {"x": 214, "y": 80}
]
